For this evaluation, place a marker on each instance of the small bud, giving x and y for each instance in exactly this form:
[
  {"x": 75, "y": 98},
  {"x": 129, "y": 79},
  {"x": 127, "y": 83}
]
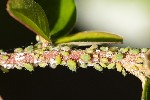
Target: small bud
[
  {"x": 40, "y": 39},
  {"x": 71, "y": 65},
  {"x": 140, "y": 66}
]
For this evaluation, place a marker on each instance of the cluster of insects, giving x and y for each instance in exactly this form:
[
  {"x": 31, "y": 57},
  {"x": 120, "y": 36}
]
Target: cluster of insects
[{"x": 100, "y": 57}]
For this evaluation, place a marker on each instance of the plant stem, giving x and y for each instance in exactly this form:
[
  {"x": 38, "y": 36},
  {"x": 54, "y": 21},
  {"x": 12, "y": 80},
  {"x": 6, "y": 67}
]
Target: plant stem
[
  {"x": 146, "y": 89},
  {"x": 135, "y": 61}
]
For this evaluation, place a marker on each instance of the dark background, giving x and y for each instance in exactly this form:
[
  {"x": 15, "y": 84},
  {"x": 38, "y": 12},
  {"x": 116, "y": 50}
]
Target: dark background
[{"x": 59, "y": 83}]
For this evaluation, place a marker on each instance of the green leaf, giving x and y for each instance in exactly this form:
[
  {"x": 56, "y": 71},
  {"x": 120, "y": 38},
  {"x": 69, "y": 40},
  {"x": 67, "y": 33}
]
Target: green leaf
[
  {"x": 87, "y": 38},
  {"x": 61, "y": 15},
  {"x": 30, "y": 14}
]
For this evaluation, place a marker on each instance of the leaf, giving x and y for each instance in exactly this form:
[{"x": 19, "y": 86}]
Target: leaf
[
  {"x": 88, "y": 38},
  {"x": 30, "y": 14},
  {"x": 61, "y": 15}
]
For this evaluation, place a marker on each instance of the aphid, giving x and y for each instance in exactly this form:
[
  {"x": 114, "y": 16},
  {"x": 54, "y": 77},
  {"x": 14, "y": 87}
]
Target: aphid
[
  {"x": 118, "y": 56},
  {"x": 58, "y": 59},
  {"x": 38, "y": 46},
  {"x": 144, "y": 50},
  {"x": 98, "y": 67},
  {"x": 124, "y": 50},
  {"x": 111, "y": 66},
  {"x": 94, "y": 46},
  {"x": 28, "y": 67},
  {"x": 63, "y": 63},
  {"x": 64, "y": 53},
  {"x": 29, "y": 49},
  {"x": 119, "y": 66},
  {"x": 85, "y": 57},
  {"x": 89, "y": 50},
  {"x": 104, "y": 48},
  {"x": 83, "y": 65},
  {"x": 139, "y": 60},
  {"x": 134, "y": 67},
  {"x": 134, "y": 51},
  {"x": 4, "y": 70},
  {"x": 18, "y": 50},
  {"x": 124, "y": 72},
  {"x": 1, "y": 51},
  {"x": 65, "y": 48},
  {"x": 113, "y": 49},
  {"x": 71, "y": 65},
  {"x": 57, "y": 48},
  {"x": 103, "y": 65},
  {"x": 53, "y": 63},
  {"x": 89, "y": 63},
  {"x": 42, "y": 64},
  {"x": 104, "y": 60},
  {"x": 38, "y": 51},
  {"x": 4, "y": 57},
  {"x": 18, "y": 67},
  {"x": 37, "y": 56}
]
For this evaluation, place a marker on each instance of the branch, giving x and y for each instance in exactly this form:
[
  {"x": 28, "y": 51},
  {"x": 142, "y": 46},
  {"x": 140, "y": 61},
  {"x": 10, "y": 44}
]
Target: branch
[{"x": 135, "y": 61}]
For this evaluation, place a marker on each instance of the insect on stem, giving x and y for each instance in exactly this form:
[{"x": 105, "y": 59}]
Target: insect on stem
[{"x": 122, "y": 59}]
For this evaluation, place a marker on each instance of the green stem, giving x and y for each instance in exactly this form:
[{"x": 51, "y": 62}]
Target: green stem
[{"x": 146, "y": 90}]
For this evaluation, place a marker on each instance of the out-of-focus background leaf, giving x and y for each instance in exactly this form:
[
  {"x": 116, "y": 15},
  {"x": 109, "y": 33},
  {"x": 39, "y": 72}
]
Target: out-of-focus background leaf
[{"x": 128, "y": 18}]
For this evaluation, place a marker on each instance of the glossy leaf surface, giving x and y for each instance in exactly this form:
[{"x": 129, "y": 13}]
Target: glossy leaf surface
[
  {"x": 61, "y": 15},
  {"x": 30, "y": 14},
  {"x": 100, "y": 37}
]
